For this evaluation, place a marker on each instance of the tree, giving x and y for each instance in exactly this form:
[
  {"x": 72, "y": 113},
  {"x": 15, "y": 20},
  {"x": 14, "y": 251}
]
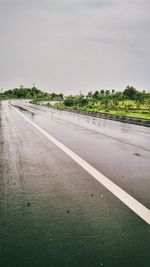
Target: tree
[
  {"x": 102, "y": 91},
  {"x": 61, "y": 96},
  {"x": 82, "y": 101},
  {"x": 96, "y": 94},
  {"x": 90, "y": 94},
  {"x": 119, "y": 96},
  {"x": 107, "y": 92},
  {"x": 130, "y": 92},
  {"x": 34, "y": 89},
  {"x": 70, "y": 101}
]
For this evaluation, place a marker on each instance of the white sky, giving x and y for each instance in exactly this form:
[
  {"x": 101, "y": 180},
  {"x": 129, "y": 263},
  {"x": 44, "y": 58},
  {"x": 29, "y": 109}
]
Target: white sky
[{"x": 73, "y": 45}]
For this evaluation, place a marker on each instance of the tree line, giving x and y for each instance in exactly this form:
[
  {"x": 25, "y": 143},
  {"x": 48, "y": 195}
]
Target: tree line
[
  {"x": 130, "y": 93},
  {"x": 30, "y": 93}
]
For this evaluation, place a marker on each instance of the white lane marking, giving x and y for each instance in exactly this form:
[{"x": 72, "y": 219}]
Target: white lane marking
[{"x": 128, "y": 200}]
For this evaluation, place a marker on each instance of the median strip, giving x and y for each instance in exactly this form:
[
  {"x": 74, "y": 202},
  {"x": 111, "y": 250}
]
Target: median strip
[{"x": 127, "y": 199}]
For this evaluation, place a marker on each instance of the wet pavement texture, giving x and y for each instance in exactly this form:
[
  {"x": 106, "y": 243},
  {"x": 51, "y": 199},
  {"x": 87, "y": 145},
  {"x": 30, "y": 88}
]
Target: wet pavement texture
[{"x": 52, "y": 212}]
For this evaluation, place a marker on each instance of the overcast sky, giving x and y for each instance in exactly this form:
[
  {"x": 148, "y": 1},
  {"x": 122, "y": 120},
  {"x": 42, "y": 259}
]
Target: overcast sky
[{"x": 73, "y": 45}]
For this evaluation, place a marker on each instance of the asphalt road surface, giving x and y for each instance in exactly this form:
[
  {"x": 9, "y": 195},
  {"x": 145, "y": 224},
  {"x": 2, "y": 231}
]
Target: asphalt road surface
[{"x": 74, "y": 190}]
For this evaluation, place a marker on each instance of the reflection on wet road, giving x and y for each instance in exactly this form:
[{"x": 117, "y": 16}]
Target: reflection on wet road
[{"x": 53, "y": 213}]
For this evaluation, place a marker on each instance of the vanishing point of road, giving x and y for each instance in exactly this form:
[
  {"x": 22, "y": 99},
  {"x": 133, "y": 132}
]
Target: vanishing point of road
[{"x": 74, "y": 190}]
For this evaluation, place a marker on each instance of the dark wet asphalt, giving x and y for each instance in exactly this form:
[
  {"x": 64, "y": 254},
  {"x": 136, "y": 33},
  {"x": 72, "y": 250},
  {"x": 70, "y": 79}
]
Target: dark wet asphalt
[{"x": 52, "y": 212}]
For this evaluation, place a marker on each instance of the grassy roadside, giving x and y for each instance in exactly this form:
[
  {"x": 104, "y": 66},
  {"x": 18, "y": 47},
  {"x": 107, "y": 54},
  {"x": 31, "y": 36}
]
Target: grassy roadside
[
  {"x": 139, "y": 114},
  {"x": 132, "y": 114}
]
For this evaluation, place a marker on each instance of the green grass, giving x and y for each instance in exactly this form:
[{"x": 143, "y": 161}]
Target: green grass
[{"x": 130, "y": 114}]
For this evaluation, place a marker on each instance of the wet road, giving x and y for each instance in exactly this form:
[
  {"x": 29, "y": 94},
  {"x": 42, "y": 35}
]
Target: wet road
[{"x": 52, "y": 211}]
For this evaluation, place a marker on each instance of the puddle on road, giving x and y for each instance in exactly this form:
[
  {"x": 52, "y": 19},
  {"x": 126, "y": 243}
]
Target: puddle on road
[{"x": 137, "y": 154}]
